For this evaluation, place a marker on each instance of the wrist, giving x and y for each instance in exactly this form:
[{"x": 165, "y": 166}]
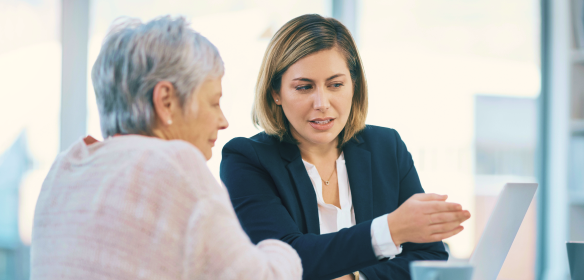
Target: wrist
[{"x": 394, "y": 230}]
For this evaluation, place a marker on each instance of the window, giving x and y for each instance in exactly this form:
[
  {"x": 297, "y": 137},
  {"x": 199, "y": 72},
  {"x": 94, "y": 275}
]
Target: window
[
  {"x": 30, "y": 72},
  {"x": 458, "y": 80}
]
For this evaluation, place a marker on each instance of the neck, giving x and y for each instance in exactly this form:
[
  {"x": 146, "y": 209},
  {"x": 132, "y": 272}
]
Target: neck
[
  {"x": 163, "y": 132},
  {"x": 319, "y": 153},
  {"x": 159, "y": 134}
]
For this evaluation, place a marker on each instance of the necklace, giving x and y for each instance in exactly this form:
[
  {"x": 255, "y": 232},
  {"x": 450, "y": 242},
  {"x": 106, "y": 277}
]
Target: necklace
[{"x": 327, "y": 182}]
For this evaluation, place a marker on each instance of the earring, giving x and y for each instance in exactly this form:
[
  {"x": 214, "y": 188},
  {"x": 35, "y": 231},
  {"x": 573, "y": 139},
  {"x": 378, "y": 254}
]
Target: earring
[
  {"x": 277, "y": 100},
  {"x": 169, "y": 122}
]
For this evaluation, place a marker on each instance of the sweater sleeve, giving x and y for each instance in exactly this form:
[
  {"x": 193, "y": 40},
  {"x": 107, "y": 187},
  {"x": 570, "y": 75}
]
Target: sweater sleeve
[{"x": 216, "y": 245}]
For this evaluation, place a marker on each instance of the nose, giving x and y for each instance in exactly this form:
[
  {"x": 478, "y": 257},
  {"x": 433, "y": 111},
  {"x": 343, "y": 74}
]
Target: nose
[
  {"x": 321, "y": 100},
  {"x": 223, "y": 123}
]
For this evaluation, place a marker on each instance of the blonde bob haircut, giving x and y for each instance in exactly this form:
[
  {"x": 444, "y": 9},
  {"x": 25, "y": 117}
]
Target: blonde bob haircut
[{"x": 298, "y": 38}]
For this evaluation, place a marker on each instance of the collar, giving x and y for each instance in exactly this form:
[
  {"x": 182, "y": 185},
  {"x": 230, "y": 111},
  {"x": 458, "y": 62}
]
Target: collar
[{"x": 291, "y": 152}]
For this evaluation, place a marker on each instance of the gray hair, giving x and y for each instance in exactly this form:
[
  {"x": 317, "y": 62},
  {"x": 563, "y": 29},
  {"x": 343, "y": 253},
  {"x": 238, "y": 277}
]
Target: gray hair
[{"x": 135, "y": 57}]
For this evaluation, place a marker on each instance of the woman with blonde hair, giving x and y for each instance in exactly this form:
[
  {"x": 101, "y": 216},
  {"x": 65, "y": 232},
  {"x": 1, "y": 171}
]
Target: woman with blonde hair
[
  {"x": 142, "y": 204},
  {"x": 345, "y": 195}
]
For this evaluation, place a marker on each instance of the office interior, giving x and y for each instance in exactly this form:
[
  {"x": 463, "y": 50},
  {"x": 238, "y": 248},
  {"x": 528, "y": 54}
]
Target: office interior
[{"x": 483, "y": 93}]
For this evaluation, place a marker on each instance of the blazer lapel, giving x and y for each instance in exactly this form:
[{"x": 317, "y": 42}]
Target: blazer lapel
[
  {"x": 303, "y": 184},
  {"x": 358, "y": 162}
]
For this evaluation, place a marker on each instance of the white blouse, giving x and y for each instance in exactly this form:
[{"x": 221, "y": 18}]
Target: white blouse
[{"x": 333, "y": 219}]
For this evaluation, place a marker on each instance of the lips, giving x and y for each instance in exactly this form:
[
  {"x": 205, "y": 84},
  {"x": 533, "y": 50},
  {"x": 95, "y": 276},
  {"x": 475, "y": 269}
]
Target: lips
[{"x": 322, "y": 123}]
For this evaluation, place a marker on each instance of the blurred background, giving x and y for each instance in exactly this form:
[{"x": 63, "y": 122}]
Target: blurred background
[{"x": 483, "y": 92}]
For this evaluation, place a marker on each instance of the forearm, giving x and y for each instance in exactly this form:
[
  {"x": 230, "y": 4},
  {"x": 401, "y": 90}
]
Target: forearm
[
  {"x": 398, "y": 267},
  {"x": 271, "y": 259},
  {"x": 218, "y": 248},
  {"x": 336, "y": 254},
  {"x": 281, "y": 261}
]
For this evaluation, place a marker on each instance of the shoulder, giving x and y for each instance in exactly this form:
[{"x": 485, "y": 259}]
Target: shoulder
[
  {"x": 157, "y": 153},
  {"x": 260, "y": 152},
  {"x": 373, "y": 134},
  {"x": 383, "y": 143},
  {"x": 171, "y": 149},
  {"x": 185, "y": 153},
  {"x": 260, "y": 143},
  {"x": 175, "y": 163},
  {"x": 260, "y": 139}
]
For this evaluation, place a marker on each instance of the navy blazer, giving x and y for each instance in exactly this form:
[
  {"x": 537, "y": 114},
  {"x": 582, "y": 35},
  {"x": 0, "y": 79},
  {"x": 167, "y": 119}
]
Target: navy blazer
[{"x": 274, "y": 198}]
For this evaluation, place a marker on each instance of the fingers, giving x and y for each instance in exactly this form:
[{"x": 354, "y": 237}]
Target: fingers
[
  {"x": 441, "y": 206},
  {"x": 444, "y": 227},
  {"x": 446, "y": 217},
  {"x": 443, "y": 235},
  {"x": 430, "y": 196}
]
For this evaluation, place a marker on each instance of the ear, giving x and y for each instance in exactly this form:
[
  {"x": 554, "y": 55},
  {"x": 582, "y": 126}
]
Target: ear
[
  {"x": 165, "y": 102},
  {"x": 276, "y": 97}
]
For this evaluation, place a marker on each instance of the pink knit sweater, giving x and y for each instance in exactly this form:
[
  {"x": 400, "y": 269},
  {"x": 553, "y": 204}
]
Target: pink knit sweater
[{"x": 135, "y": 207}]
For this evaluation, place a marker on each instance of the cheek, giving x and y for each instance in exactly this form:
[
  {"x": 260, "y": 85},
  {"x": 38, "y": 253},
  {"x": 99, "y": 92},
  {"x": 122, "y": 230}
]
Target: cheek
[
  {"x": 348, "y": 105},
  {"x": 344, "y": 103},
  {"x": 206, "y": 122},
  {"x": 209, "y": 122},
  {"x": 291, "y": 109},
  {"x": 198, "y": 121},
  {"x": 294, "y": 106}
]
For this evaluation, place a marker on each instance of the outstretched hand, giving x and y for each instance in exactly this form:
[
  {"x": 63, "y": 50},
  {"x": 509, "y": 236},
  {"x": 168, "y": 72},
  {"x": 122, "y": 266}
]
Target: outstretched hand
[{"x": 425, "y": 218}]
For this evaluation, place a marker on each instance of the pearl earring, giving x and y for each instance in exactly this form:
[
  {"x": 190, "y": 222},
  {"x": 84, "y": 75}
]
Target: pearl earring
[
  {"x": 276, "y": 100},
  {"x": 169, "y": 122}
]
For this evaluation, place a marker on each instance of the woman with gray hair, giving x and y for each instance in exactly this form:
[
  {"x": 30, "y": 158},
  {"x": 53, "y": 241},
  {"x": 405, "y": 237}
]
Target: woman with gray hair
[{"x": 142, "y": 204}]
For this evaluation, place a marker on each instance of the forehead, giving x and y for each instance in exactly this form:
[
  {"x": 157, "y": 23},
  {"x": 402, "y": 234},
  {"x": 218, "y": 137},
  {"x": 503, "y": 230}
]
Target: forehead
[{"x": 321, "y": 64}]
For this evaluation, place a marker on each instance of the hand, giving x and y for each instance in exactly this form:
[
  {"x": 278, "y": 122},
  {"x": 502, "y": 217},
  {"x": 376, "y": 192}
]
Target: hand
[
  {"x": 425, "y": 218},
  {"x": 346, "y": 277}
]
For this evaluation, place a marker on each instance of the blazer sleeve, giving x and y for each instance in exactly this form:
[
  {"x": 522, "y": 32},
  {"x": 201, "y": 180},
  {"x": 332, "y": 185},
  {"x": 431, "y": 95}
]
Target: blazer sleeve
[
  {"x": 262, "y": 215},
  {"x": 398, "y": 267}
]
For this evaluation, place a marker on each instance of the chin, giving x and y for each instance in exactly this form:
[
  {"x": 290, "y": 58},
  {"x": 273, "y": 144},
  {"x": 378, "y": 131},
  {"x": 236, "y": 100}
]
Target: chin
[
  {"x": 208, "y": 154},
  {"x": 206, "y": 151},
  {"x": 323, "y": 138}
]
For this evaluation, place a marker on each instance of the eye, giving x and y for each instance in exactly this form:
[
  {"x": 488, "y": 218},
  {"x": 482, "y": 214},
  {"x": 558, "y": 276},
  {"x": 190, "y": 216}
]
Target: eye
[
  {"x": 301, "y": 88},
  {"x": 337, "y": 85}
]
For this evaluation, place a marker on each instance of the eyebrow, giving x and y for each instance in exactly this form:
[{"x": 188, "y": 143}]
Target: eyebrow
[{"x": 309, "y": 80}]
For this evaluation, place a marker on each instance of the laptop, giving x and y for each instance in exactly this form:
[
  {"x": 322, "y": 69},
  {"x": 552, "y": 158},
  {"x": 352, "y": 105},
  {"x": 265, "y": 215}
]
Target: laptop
[{"x": 504, "y": 222}]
